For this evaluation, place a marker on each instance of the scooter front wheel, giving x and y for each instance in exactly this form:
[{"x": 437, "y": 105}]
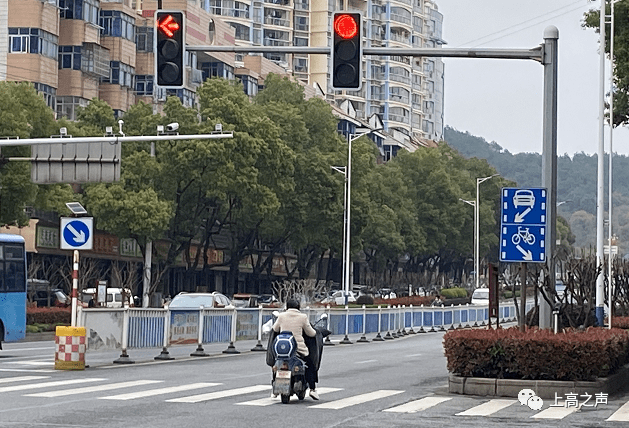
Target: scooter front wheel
[
  {"x": 285, "y": 398},
  {"x": 301, "y": 395}
]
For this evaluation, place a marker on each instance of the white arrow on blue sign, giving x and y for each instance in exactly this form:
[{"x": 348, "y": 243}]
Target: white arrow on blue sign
[
  {"x": 77, "y": 233},
  {"x": 523, "y": 225}
]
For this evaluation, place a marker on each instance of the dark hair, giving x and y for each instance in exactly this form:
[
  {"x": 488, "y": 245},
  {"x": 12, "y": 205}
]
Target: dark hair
[{"x": 292, "y": 304}]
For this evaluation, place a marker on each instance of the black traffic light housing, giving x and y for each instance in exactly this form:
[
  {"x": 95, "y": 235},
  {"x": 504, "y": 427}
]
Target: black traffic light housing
[
  {"x": 170, "y": 47},
  {"x": 347, "y": 58}
]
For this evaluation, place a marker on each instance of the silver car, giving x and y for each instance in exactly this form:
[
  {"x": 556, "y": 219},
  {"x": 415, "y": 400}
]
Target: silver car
[{"x": 196, "y": 300}]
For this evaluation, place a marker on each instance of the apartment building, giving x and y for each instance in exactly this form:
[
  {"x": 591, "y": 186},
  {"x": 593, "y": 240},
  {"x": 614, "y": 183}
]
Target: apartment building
[{"x": 407, "y": 93}]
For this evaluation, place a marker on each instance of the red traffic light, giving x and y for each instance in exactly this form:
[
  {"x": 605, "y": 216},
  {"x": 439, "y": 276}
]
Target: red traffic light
[
  {"x": 168, "y": 25},
  {"x": 345, "y": 26}
]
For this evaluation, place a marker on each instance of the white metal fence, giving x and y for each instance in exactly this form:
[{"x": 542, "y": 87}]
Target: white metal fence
[{"x": 133, "y": 328}]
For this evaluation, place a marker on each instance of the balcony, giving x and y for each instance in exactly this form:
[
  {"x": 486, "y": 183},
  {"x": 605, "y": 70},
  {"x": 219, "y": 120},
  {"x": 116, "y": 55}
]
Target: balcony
[
  {"x": 277, "y": 21},
  {"x": 275, "y": 42},
  {"x": 278, "y": 2}
]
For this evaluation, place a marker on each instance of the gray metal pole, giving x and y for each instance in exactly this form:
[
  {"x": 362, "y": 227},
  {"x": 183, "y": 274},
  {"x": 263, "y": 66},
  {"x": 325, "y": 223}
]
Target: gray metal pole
[
  {"x": 600, "y": 287},
  {"x": 549, "y": 160}
]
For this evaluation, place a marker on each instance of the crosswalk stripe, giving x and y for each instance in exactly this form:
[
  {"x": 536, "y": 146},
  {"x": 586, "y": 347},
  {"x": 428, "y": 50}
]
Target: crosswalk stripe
[
  {"x": 48, "y": 384},
  {"x": 356, "y": 399},
  {"x": 159, "y": 391},
  {"x": 418, "y": 405},
  {"x": 22, "y": 378},
  {"x": 621, "y": 414},
  {"x": 220, "y": 394},
  {"x": 89, "y": 389},
  {"x": 486, "y": 409},
  {"x": 555, "y": 412},
  {"x": 32, "y": 363},
  {"x": 267, "y": 401}
]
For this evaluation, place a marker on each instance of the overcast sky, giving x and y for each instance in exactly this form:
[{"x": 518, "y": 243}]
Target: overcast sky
[{"x": 501, "y": 100}]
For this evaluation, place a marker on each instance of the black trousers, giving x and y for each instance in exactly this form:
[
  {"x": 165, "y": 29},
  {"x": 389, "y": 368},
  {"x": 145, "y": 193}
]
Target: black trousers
[{"x": 312, "y": 375}]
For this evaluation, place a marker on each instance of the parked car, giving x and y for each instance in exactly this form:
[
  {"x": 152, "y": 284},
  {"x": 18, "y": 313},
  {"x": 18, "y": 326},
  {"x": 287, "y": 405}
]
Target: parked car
[
  {"x": 480, "y": 296},
  {"x": 387, "y": 293},
  {"x": 339, "y": 297},
  {"x": 115, "y": 298},
  {"x": 268, "y": 300},
  {"x": 196, "y": 300},
  {"x": 245, "y": 300},
  {"x": 56, "y": 297}
]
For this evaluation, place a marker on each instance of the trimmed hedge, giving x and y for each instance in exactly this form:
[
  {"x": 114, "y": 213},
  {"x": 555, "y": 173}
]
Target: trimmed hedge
[
  {"x": 48, "y": 316},
  {"x": 451, "y": 293},
  {"x": 536, "y": 354},
  {"x": 620, "y": 322}
]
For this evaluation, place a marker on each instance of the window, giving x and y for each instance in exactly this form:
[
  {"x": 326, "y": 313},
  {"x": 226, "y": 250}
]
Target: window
[
  {"x": 34, "y": 41},
  {"x": 90, "y": 11},
  {"x": 242, "y": 31},
  {"x": 117, "y": 24},
  {"x": 120, "y": 73},
  {"x": 48, "y": 92},
  {"x": 144, "y": 39},
  {"x": 70, "y": 57},
  {"x": 217, "y": 69},
  {"x": 301, "y": 23},
  {"x": 300, "y": 65},
  {"x": 300, "y": 41},
  {"x": 71, "y": 9},
  {"x": 68, "y": 106},
  {"x": 144, "y": 84}
]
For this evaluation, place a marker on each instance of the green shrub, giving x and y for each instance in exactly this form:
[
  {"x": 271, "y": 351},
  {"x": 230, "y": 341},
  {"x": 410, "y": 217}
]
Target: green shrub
[
  {"x": 536, "y": 354},
  {"x": 48, "y": 316},
  {"x": 32, "y": 329},
  {"x": 453, "y": 293}
]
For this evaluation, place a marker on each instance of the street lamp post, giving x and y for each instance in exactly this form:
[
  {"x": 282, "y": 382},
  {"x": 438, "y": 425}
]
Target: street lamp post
[
  {"x": 477, "y": 227},
  {"x": 473, "y": 204}
]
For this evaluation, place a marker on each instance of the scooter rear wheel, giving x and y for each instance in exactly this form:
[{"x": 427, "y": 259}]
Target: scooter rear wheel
[
  {"x": 285, "y": 398},
  {"x": 301, "y": 395}
]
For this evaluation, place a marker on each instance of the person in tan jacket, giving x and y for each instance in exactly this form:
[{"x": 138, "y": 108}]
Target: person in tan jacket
[{"x": 297, "y": 323}]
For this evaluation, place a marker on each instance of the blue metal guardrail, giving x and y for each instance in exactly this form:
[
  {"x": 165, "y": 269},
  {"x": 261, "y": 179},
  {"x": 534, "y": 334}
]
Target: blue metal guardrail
[{"x": 154, "y": 328}]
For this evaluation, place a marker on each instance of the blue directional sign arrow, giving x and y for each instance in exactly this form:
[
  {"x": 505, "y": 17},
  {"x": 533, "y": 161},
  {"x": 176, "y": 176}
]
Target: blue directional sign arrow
[
  {"x": 76, "y": 233},
  {"x": 523, "y": 225}
]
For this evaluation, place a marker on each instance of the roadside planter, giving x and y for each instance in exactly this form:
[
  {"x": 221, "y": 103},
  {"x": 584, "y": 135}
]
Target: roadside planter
[{"x": 503, "y": 362}]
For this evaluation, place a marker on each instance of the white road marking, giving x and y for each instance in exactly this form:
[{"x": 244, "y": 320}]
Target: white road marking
[
  {"x": 366, "y": 361},
  {"x": 32, "y": 363},
  {"x": 356, "y": 399},
  {"x": 220, "y": 394},
  {"x": 555, "y": 412},
  {"x": 486, "y": 409},
  {"x": 22, "y": 378},
  {"x": 418, "y": 405},
  {"x": 48, "y": 384},
  {"x": 160, "y": 391},
  {"x": 267, "y": 401},
  {"x": 29, "y": 370},
  {"x": 414, "y": 355},
  {"x": 89, "y": 389},
  {"x": 621, "y": 415}
]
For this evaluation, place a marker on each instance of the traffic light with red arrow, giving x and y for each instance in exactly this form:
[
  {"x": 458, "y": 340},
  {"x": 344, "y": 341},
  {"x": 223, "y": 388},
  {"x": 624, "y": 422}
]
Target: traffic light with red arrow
[{"x": 170, "y": 47}]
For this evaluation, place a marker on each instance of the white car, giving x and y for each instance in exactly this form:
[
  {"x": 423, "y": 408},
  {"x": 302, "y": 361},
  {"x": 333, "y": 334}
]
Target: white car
[
  {"x": 196, "y": 300},
  {"x": 480, "y": 296},
  {"x": 339, "y": 297}
]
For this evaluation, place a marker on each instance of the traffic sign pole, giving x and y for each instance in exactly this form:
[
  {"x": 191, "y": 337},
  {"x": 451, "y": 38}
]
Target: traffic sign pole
[{"x": 75, "y": 286}]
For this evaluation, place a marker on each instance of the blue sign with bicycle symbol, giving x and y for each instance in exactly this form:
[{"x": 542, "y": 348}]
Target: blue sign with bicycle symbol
[{"x": 523, "y": 225}]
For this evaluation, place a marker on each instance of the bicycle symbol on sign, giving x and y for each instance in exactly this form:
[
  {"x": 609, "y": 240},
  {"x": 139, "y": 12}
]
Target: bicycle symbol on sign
[{"x": 523, "y": 235}]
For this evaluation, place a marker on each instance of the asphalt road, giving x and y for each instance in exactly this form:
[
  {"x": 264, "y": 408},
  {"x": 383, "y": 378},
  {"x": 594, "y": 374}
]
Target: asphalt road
[{"x": 396, "y": 383}]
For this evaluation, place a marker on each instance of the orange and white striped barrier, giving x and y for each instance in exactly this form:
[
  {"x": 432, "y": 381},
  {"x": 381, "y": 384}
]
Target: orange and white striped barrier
[{"x": 70, "y": 348}]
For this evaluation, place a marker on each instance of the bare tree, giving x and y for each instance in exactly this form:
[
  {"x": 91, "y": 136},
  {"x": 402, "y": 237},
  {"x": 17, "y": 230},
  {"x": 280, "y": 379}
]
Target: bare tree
[{"x": 301, "y": 289}]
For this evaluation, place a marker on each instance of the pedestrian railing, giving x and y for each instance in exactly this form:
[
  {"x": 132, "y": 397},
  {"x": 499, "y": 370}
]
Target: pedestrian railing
[{"x": 134, "y": 328}]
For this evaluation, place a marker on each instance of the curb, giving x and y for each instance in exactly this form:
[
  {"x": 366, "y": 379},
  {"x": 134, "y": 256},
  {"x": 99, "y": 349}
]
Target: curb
[
  {"x": 35, "y": 337},
  {"x": 614, "y": 384}
]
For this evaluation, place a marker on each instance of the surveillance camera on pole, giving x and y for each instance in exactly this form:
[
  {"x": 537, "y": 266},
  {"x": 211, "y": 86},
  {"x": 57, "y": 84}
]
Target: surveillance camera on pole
[{"x": 172, "y": 127}]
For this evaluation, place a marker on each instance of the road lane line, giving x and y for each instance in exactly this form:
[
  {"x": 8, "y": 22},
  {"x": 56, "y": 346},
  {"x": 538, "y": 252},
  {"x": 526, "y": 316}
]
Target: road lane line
[
  {"x": 29, "y": 370},
  {"x": 418, "y": 405},
  {"x": 356, "y": 399},
  {"x": 267, "y": 401},
  {"x": 486, "y": 409},
  {"x": 555, "y": 412},
  {"x": 621, "y": 415},
  {"x": 159, "y": 391},
  {"x": 89, "y": 389},
  {"x": 22, "y": 378},
  {"x": 48, "y": 384},
  {"x": 366, "y": 361},
  {"x": 220, "y": 394}
]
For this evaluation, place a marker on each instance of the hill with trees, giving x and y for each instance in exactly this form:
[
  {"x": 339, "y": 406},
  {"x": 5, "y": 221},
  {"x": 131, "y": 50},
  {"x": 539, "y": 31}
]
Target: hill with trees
[{"x": 576, "y": 183}]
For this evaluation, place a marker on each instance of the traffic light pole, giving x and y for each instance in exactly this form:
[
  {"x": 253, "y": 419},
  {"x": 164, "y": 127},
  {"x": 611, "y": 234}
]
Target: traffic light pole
[
  {"x": 112, "y": 140},
  {"x": 535, "y": 54}
]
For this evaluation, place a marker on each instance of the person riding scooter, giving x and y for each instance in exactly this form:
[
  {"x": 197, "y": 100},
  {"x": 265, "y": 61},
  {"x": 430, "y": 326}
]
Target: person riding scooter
[{"x": 297, "y": 323}]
